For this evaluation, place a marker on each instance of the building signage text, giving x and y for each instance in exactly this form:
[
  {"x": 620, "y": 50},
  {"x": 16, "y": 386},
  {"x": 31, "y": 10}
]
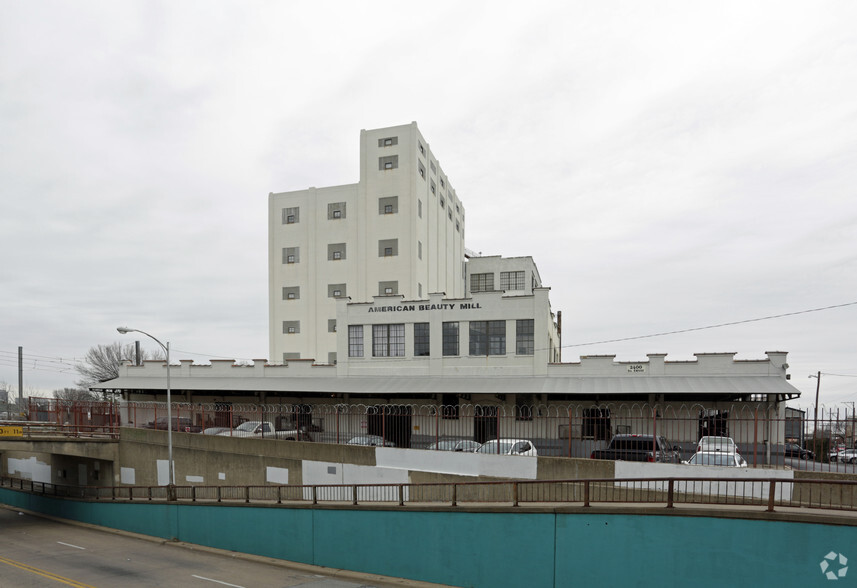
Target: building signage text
[{"x": 419, "y": 307}]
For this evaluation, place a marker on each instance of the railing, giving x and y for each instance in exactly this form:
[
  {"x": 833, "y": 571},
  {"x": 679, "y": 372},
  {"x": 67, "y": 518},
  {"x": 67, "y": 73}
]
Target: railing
[{"x": 760, "y": 494}]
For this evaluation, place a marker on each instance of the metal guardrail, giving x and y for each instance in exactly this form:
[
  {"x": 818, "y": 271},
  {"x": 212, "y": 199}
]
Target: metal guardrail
[{"x": 766, "y": 494}]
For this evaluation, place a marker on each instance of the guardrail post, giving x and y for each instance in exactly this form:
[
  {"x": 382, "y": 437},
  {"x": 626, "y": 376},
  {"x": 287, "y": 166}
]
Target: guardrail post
[
  {"x": 247, "y": 494},
  {"x": 218, "y": 494},
  {"x": 193, "y": 493},
  {"x": 455, "y": 495},
  {"x": 586, "y": 493},
  {"x": 113, "y": 493},
  {"x": 150, "y": 493},
  {"x": 772, "y": 492},
  {"x": 514, "y": 494},
  {"x": 670, "y": 492},
  {"x": 401, "y": 495},
  {"x": 279, "y": 495},
  {"x": 130, "y": 493},
  {"x": 171, "y": 493},
  {"x": 315, "y": 494},
  {"x": 354, "y": 493}
]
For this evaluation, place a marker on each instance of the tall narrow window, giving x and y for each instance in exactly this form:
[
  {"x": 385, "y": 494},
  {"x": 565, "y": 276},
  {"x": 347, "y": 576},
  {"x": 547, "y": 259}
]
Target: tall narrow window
[
  {"x": 421, "y": 340},
  {"x": 388, "y": 340},
  {"x": 355, "y": 340},
  {"x": 450, "y": 338},
  {"x": 524, "y": 336}
]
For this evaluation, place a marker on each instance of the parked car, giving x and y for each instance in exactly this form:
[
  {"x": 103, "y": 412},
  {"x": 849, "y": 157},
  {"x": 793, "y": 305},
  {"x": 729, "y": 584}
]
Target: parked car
[
  {"x": 795, "y": 450},
  {"x": 844, "y": 455},
  {"x": 508, "y": 447},
  {"x": 266, "y": 430},
  {"x": 717, "y": 458},
  {"x": 639, "y": 448},
  {"x": 182, "y": 424},
  {"x": 465, "y": 445},
  {"x": 370, "y": 440},
  {"x": 716, "y": 443}
]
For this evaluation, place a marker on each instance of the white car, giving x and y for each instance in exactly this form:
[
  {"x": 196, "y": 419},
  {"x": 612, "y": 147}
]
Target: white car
[
  {"x": 845, "y": 456},
  {"x": 717, "y": 458},
  {"x": 508, "y": 447},
  {"x": 714, "y": 443}
]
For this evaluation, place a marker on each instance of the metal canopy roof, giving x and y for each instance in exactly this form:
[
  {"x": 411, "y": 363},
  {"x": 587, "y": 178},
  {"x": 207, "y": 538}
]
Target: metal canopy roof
[{"x": 404, "y": 386}]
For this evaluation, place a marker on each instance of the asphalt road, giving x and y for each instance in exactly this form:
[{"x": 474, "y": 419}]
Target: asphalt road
[{"x": 36, "y": 552}]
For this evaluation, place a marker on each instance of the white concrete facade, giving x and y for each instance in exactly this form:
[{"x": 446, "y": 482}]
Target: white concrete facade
[{"x": 398, "y": 231}]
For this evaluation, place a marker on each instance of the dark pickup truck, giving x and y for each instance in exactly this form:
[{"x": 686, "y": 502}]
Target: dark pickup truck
[{"x": 639, "y": 448}]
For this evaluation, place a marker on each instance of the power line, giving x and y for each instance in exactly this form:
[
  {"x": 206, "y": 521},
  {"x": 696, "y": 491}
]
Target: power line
[{"x": 730, "y": 324}]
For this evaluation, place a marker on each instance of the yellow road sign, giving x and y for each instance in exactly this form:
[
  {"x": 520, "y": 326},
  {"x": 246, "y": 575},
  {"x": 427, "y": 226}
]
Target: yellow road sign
[{"x": 11, "y": 432}]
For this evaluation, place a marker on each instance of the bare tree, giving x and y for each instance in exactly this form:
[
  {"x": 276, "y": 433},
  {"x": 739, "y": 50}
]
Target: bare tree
[
  {"x": 75, "y": 394},
  {"x": 101, "y": 363}
]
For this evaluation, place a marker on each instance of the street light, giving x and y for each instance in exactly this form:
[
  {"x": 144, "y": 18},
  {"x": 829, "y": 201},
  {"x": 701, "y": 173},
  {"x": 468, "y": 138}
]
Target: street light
[
  {"x": 166, "y": 348},
  {"x": 817, "y": 388}
]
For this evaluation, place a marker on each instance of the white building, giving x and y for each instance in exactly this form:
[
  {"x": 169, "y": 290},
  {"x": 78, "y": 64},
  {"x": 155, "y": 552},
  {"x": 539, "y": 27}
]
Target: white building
[
  {"x": 398, "y": 231},
  {"x": 375, "y": 301}
]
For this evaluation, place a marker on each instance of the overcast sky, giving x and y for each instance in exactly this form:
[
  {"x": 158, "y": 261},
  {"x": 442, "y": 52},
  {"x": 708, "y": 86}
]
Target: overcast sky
[{"x": 669, "y": 166}]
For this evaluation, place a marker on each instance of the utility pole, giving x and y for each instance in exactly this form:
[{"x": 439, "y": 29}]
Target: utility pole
[
  {"x": 815, "y": 423},
  {"x": 20, "y": 379}
]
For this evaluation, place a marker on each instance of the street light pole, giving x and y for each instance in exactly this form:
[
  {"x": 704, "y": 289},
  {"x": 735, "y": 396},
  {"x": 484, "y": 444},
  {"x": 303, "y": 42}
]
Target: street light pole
[
  {"x": 817, "y": 388},
  {"x": 166, "y": 348}
]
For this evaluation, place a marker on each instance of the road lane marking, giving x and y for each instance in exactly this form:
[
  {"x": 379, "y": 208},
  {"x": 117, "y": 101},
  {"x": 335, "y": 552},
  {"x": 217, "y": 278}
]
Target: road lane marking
[
  {"x": 43, "y": 573},
  {"x": 70, "y": 545},
  {"x": 217, "y": 581}
]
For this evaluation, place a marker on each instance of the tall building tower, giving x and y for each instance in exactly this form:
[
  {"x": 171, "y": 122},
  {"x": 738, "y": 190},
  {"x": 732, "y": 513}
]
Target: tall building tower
[{"x": 399, "y": 230}]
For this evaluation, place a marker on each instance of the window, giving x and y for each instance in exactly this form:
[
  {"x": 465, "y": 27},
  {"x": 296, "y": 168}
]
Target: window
[
  {"x": 433, "y": 168},
  {"x": 337, "y": 255},
  {"x": 336, "y": 251},
  {"x": 420, "y": 208},
  {"x": 456, "y": 226},
  {"x": 388, "y": 205},
  {"x": 421, "y": 340},
  {"x": 524, "y": 337},
  {"x": 422, "y": 169},
  {"x": 336, "y": 210},
  {"x": 388, "y": 141},
  {"x": 291, "y": 292},
  {"x": 422, "y": 149},
  {"x": 450, "y": 339},
  {"x": 487, "y": 337},
  {"x": 388, "y": 340},
  {"x": 291, "y": 327},
  {"x": 449, "y": 212},
  {"x": 442, "y": 184},
  {"x": 388, "y": 162},
  {"x": 331, "y": 325},
  {"x": 388, "y": 247},
  {"x": 512, "y": 280},
  {"x": 335, "y": 290},
  {"x": 420, "y": 290},
  {"x": 388, "y": 288},
  {"x": 331, "y": 357},
  {"x": 291, "y": 215},
  {"x": 441, "y": 202},
  {"x": 291, "y": 254},
  {"x": 355, "y": 340},
  {"x": 482, "y": 282},
  {"x": 420, "y": 249},
  {"x": 432, "y": 188}
]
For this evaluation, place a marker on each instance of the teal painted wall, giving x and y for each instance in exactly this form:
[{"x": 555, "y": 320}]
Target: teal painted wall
[{"x": 493, "y": 549}]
